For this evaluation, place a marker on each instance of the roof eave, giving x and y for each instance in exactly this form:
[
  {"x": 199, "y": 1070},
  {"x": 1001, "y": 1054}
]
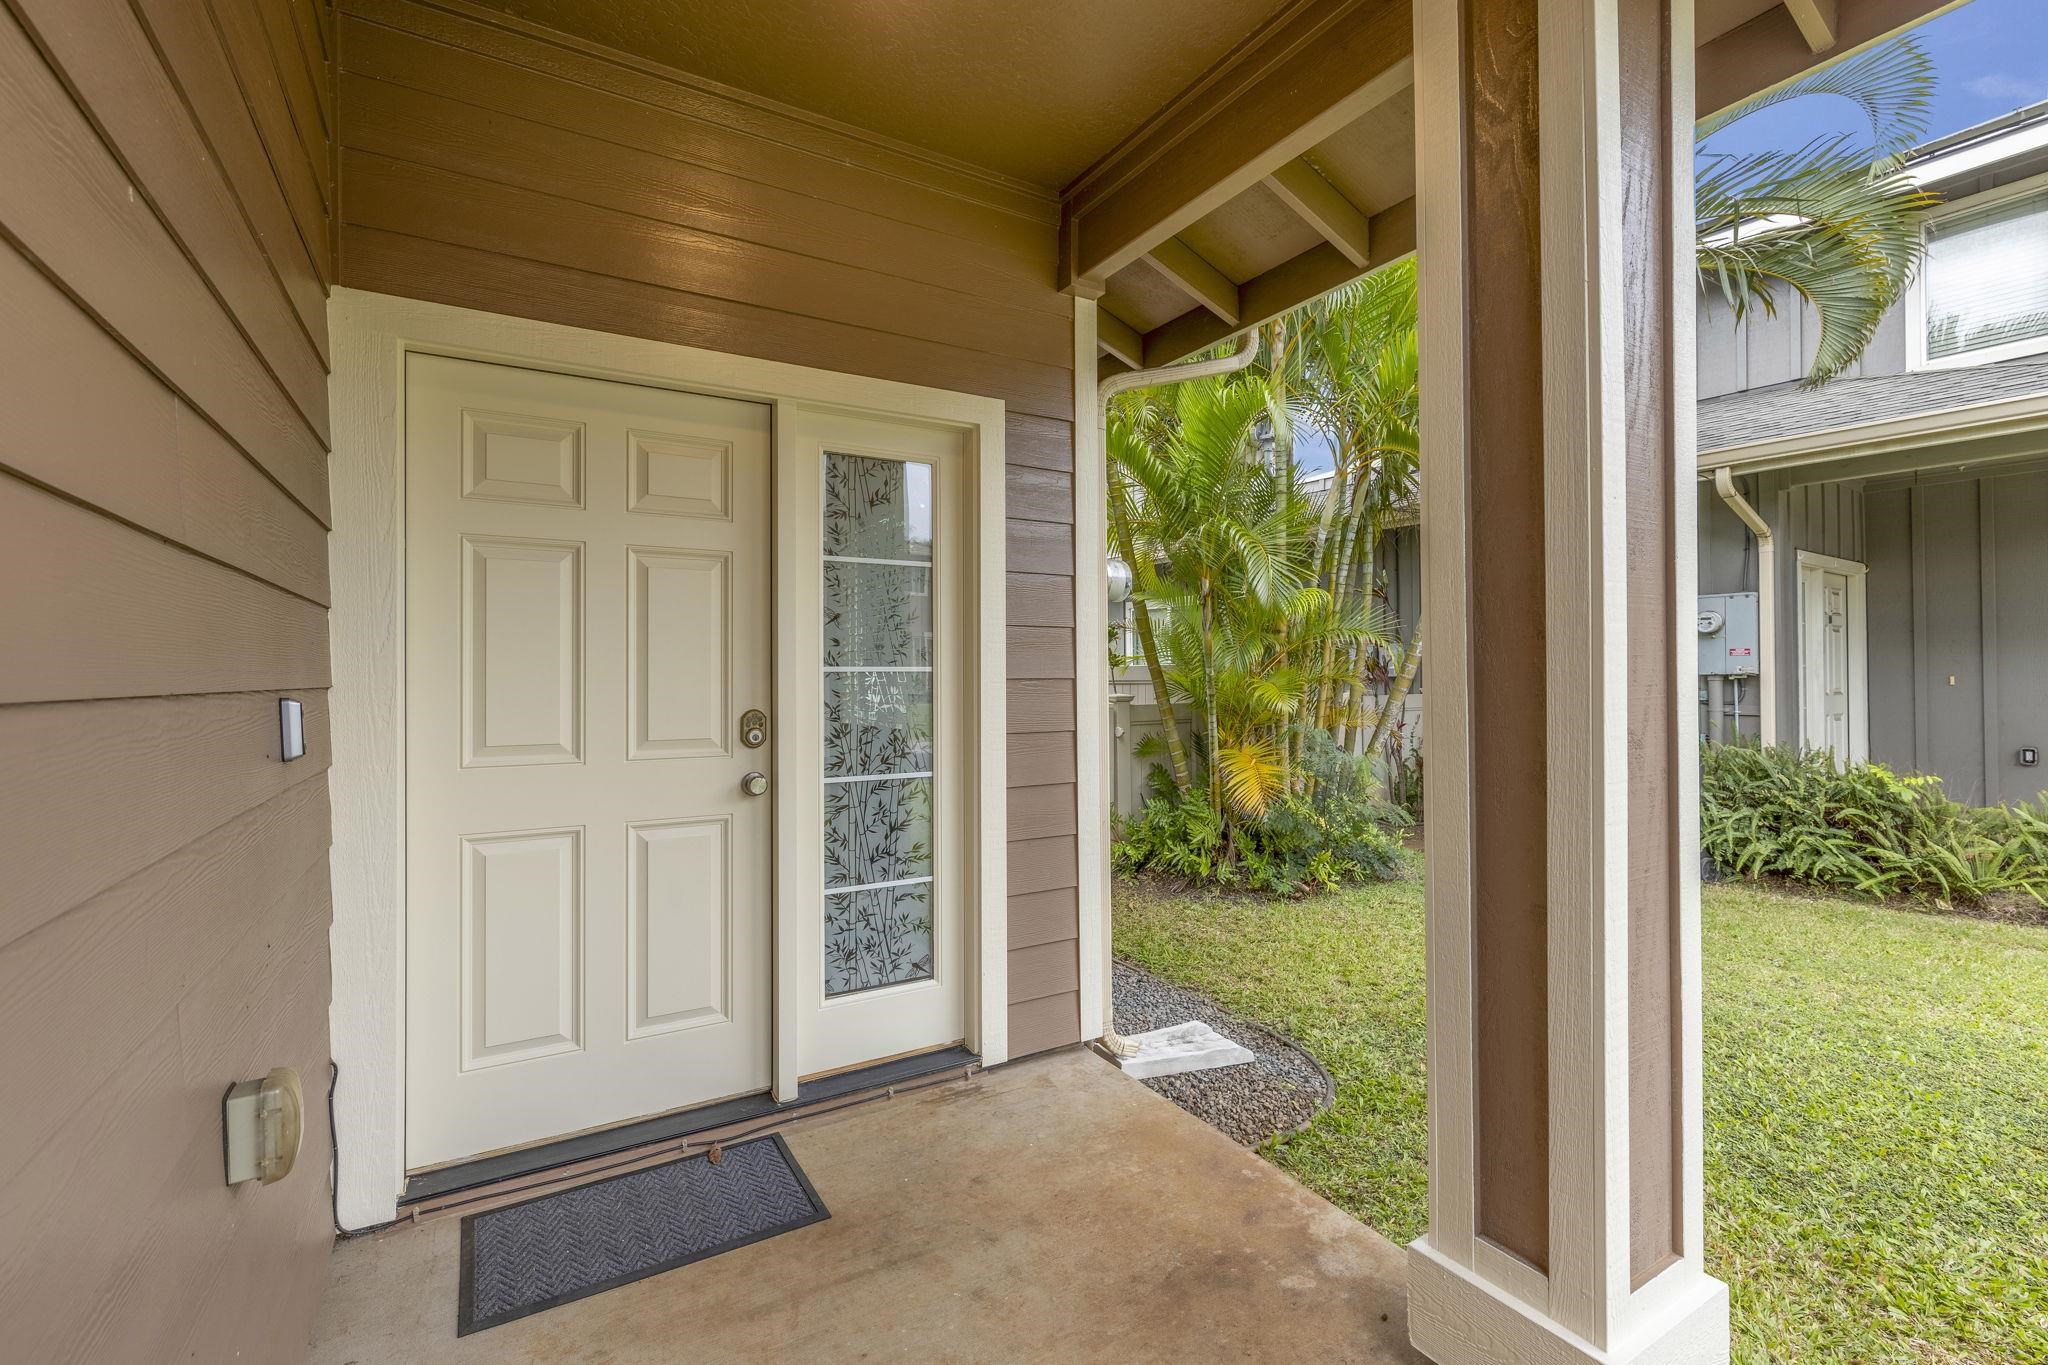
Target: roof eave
[{"x": 1920, "y": 430}]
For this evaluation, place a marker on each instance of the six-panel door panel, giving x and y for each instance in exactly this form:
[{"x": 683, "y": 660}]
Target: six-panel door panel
[{"x": 587, "y": 615}]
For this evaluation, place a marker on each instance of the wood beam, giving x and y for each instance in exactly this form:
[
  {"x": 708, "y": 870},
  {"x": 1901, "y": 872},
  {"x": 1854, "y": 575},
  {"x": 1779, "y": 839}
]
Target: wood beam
[
  {"x": 1288, "y": 285},
  {"x": 1770, "y": 49},
  {"x": 1119, "y": 338},
  {"x": 1319, "y": 67},
  {"x": 1816, "y": 20},
  {"x": 1186, "y": 271},
  {"x": 1323, "y": 207}
]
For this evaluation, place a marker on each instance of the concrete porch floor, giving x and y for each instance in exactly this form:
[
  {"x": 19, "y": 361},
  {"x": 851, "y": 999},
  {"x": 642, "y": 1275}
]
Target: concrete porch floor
[{"x": 1050, "y": 1210}]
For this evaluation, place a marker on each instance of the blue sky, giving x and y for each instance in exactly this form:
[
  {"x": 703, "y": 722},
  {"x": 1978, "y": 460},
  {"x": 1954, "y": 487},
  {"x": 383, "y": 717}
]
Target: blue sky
[{"x": 1990, "y": 56}]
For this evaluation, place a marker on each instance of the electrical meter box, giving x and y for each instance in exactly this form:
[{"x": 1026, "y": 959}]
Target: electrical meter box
[{"x": 1728, "y": 637}]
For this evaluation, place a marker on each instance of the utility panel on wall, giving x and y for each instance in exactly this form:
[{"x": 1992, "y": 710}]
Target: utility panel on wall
[{"x": 1728, "y": 635}]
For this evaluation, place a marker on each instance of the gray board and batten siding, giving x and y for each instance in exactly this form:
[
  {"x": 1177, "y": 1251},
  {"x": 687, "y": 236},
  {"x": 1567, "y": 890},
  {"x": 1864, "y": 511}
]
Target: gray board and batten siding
[
  {"x": 1959, "y": 603},
  {"x": 1957, "y": 627}
]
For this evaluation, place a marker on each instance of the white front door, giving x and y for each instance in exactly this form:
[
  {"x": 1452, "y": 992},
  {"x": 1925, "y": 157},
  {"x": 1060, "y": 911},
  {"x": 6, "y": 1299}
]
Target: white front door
[
  {"x": 1830, "y": 656},
  {"x": 588, "y": 892}
]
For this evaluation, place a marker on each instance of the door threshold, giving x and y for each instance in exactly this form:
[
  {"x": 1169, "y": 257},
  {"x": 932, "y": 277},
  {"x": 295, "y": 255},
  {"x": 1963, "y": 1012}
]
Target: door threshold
[
  {"x": 889, "y": 1071},
  {"x": 602, "y": 1142}
]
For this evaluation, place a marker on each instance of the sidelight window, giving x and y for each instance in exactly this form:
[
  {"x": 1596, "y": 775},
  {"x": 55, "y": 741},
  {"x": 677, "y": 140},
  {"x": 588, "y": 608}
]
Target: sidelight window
[{"x": 878, "y": 754}]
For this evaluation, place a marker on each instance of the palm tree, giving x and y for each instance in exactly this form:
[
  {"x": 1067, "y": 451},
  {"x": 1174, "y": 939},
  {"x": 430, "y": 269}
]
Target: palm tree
[
  {"x": 1221, "y": 539},
  {"x": 1359, "y": 359},
  {"x": 1836, "y": 220},
  {"x": 1129, "y": 420},
  {"x": 1270, "y": 623}
]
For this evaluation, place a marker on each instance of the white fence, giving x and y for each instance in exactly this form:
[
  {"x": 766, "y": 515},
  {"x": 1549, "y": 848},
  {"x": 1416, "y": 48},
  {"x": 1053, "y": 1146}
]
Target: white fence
[{"x": 1132, "y": 722}]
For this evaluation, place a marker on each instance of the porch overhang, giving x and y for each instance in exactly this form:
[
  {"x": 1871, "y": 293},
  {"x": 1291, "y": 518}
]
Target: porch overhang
[
  {"x": 1248, "y": 196},
  {"x": 1275, "y": 172}
]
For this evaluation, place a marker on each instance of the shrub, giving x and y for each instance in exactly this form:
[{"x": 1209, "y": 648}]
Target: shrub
[
  {"x": 1864, "y": 829},
  {"x": 1332, "y": 832},
  {"x": 1176, "y": 835}
]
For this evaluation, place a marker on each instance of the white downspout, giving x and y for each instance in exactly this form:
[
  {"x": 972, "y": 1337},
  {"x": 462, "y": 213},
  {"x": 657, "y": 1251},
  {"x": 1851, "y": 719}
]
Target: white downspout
[
  {"x": 1109, "y": 388},
  {"x": 1238, "y": 359},
  {"x": 1766, "y": 604}
]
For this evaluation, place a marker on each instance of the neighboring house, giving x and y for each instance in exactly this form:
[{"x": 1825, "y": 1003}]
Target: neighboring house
[
  {"x": 613, "y": 474},
  {"x": 1907, "y": 502}
]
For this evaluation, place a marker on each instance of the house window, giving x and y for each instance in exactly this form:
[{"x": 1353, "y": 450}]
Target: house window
[
  {"x": 1986, "y": 281},
  {"x": 879, "y": 761}
]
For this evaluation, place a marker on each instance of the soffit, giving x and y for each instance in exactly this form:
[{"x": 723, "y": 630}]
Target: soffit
[
  {"x": 1141, "y": 296},
  {"x": 1373, "y": 160},
  {"x": 1250, "y": 234},
  {"x": 1712, "y": 18},
  {"x": 1036, "y": 90}
]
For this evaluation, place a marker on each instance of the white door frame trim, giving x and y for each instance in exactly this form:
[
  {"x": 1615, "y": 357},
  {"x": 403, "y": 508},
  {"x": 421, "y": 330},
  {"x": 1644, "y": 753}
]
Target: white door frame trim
[
  {"x": 372, "y": 334},
  {"x": 1812, "y": 561}
]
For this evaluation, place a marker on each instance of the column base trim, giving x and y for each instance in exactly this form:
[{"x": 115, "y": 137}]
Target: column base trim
[{"x": 1456, "y": 1318}]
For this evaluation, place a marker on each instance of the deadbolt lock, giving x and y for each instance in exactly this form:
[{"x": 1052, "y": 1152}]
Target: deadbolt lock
[{"x": 754, "y": 729}]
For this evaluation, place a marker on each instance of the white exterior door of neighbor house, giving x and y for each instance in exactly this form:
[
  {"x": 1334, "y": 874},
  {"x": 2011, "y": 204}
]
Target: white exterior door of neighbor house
[
  {"x": 1833, "y": 713},
  {"x": 588, "y": 618}
]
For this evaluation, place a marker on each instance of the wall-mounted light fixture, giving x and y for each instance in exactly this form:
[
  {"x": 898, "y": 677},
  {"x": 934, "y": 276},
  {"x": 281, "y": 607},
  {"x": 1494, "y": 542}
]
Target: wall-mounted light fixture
[{"x": 265, "y": 1122}]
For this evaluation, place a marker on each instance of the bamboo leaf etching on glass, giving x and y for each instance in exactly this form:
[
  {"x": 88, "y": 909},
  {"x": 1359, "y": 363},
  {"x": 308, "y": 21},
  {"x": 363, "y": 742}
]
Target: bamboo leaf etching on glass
[{"x": 878, "y": 766}]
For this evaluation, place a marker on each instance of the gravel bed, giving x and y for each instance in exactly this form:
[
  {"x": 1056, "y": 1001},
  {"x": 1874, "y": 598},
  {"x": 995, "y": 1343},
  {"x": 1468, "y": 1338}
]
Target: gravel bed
[{"x": 1278, "y": 1091}]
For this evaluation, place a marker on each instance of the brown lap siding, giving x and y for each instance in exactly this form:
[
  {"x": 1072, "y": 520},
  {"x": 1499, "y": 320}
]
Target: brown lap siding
[
  {"x": 164, "y": 245},
  {"x": 1044, "y": 858}
]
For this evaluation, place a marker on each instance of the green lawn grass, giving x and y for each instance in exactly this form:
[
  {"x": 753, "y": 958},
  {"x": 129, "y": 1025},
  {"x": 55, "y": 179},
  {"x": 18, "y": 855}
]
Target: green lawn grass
[{"x": 1876, "y": 1100}]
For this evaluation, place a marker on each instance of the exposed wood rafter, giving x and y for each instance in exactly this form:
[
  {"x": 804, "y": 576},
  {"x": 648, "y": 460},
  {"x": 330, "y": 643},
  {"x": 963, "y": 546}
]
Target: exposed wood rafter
[
  {"x": 1323, "y": 207},
  {"x": 1291, "y": 283},
  {"x": 1285, "y": 89},
  {"x": 1816, "y": 20},
  {"x": 1119, "y": 338},
  {"x": 1195, "y": 277}
]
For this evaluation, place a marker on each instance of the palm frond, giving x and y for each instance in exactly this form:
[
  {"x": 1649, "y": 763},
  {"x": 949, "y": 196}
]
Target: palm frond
[
  {"x": 1836, "y": 220},
  {"x": 1252, "y": 775},
  {"x": 1892, "y": 83}
]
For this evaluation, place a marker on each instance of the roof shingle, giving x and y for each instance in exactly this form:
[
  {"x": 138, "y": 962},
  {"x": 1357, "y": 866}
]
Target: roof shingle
[{"x": 1782, "y": 410}]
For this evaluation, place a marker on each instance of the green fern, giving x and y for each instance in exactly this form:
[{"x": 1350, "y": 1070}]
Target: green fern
[{"x": 1865, "y": 829}]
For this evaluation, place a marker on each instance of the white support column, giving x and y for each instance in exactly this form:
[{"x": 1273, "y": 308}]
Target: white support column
[
  {"x": 1555, "y": 249},
  {"x": 1091, "y": 678}
]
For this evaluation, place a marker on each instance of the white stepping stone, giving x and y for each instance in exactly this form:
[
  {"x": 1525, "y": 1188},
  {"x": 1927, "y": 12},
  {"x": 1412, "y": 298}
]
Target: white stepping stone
[{"x": 1192, "y": 1046}]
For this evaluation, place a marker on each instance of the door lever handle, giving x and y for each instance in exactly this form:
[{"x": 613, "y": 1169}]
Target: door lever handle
[{"x": 754, "y": 784}]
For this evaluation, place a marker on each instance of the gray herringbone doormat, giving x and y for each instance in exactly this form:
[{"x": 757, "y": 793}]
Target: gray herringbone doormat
[{"x": 554, "y": 1250}]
